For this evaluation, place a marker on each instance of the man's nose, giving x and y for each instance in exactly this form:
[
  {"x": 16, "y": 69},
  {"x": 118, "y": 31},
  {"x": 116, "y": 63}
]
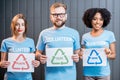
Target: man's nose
[{"x": 58, "y": 16}]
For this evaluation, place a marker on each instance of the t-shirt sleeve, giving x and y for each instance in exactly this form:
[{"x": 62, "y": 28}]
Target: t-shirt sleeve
[
  {"x": 77, "y": 41},
  {"x": 40, "y": 43},
  {"x": 3, "y": 46},
  {"x": 82, "y": 41},
  {"x": 112, "y": 38},
  {"x": 33, "y": 46}
]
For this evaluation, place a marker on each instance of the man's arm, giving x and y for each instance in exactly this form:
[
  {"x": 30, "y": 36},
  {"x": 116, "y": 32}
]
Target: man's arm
[
  {"x": 75, "y": 56},
  {"x": 39, "y": 56}
]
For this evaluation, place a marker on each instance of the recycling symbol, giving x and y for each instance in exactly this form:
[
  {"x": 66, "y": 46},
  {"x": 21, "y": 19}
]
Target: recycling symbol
[
  {"x": 20, "y": 65},
  {"x": 59, "y": 57},
  {"x": 94, "y": 58}
]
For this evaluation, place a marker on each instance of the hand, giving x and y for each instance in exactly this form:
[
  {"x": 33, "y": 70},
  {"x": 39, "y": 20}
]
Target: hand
[
  {"x": 4, "y": 64},
  {"x": 43, "y": 59},
  {"x": 75, "y": 57},
  {"x": 108, "y": 52},
  {"x": 36, "y": 63}
]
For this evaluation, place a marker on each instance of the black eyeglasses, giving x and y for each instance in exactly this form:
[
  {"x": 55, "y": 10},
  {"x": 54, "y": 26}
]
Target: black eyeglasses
[{"x": 61, "y": 15}]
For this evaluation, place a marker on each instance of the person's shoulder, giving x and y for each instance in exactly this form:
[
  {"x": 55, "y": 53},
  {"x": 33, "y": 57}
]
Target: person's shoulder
[
  {"x": 29, "y": 39},
  {"x": 6, "y": 39},
  {"x": 45, "y": 30},
  {"x": 86, "y": 34},
  {"x": 71, "y": 29},
  {"x": 108, "y": 32}
]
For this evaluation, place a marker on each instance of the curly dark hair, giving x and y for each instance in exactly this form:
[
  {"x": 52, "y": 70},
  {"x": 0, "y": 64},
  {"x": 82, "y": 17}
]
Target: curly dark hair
[{"x": 90, "y": 13}]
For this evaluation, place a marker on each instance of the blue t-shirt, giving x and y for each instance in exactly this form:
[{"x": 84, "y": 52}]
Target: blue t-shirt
[
  {"x": 60, "y": 38},
  {"x": 10, "y": 46},
  {"x": 102, "y": 41}
]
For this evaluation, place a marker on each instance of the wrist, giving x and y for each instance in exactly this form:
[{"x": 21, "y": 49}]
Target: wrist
[{"x": 109, "y": 55}]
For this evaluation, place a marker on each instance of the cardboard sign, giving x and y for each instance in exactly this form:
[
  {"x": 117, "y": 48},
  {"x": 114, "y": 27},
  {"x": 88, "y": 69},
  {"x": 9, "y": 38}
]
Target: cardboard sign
[
  {"x": 94, "y": 57},
  {"x": 20, "y": 62},
  {"x": 59, "y": 57}
]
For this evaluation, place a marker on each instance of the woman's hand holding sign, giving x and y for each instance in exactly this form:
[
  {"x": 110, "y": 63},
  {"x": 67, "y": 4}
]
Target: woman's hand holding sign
[
  {"x": 36, "y": 63},
  {"x": 4, "y": 64},
  {"x": 111, "y": 52}
]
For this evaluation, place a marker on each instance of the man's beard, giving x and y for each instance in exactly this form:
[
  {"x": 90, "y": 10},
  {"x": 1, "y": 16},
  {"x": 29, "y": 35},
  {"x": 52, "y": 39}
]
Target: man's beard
[{"x": 59, "y": 25}]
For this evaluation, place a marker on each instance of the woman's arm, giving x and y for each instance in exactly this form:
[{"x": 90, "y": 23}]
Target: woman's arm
[
  {"x": 111, "y": 52},
  {"x": 4, "y": 63}
]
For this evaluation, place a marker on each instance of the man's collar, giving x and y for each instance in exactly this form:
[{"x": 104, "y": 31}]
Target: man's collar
[{"x": 58, "y": 28}]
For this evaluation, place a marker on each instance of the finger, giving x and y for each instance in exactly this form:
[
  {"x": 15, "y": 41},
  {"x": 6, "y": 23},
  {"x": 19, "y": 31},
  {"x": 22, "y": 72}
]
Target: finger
[
  {"x": 35, "y": 63},
  {"x": 44, "y": 56}
]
